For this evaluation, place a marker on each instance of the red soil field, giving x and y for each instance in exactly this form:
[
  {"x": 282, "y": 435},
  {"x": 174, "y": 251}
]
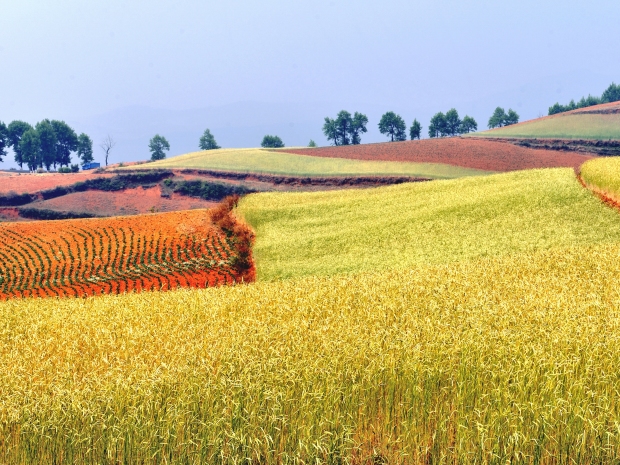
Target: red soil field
[
  {"x": 27, "y": 183},
  {"x": 113, "y": 255},
  {"x": 127, "y": 202},
  {"x": 469, "y": 153}
]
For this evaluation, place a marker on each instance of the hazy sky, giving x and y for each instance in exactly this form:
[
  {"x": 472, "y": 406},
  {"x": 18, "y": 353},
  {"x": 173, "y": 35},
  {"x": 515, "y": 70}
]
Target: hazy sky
[{"x": 75, "y": 59}]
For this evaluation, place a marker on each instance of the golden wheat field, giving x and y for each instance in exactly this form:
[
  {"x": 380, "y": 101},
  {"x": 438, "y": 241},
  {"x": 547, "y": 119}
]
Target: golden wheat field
[{"x": 496, "y": 360}]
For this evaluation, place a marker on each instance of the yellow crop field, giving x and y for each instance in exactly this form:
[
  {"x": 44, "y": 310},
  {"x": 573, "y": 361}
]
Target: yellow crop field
[
  {"x": 325, "y": 233},
  {"x": 603, "y": 176},
  {"x": 282, "y": 163},
  {"x": 499, "y": 360}
]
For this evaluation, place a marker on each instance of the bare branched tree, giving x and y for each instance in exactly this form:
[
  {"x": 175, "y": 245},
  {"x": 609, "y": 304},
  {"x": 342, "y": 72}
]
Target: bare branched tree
[{"x": 107, "y": 145}]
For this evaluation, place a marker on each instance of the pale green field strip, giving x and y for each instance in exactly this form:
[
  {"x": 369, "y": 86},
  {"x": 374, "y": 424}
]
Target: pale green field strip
[
  {"x": 587, "y": 126},
  {"x": 603, "y": 174},
  {"x": 288, "y": 164},
  {"x": 325, "y": 233},
  {"x": 500, "y": 360}
]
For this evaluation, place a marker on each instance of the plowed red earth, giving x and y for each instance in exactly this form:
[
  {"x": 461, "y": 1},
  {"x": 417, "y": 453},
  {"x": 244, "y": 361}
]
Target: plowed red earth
[
  {"x": 26, "y": 183},
  {"x": 469, "y": 153},
  {"x": 127, "y": 202}
]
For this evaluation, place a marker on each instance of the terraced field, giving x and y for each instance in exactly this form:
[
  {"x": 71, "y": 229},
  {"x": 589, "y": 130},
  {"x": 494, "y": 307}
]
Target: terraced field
[
  {"x": 115, "y": 255},
  {"x": 325, "y": 233},
  {"x": 485, "y": 155},
  {"x": 600, "y": 122},
  {"x": 282, "y": 163}
]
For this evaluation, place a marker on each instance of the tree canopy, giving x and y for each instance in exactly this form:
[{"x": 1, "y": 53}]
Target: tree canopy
[
  {"x": 415, "y": 131},
  {"x": 345, "y": 129},
  {"x": 393, "y": 126},
  {"x": 468, "y": 125},
  {"x": 48, "y": 141},
  {"x": 66, "y": 142},
  {"x": 85, "y": 149},
  {"x": 207, "y": 141},
  {"x": 611, "y": 94},
  {"x": 500, "y": 118},
  {"x": 311, "y": 143},
  {"x": 438, "y": 126},
  {"x": 157, "y": 145},
  {"x": 30, "y": 149},
  {"x": 451, "y": 124},
  {"x": 272, "y": 142},
  {"x": 16, "y": 130},
  {"x": 4, "y": 140}
]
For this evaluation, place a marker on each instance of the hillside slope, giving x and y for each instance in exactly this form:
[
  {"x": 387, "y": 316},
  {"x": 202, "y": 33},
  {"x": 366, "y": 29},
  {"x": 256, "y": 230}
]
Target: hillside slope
[
  {"x": 326, "y": 233},
  {"x": 595, "y": 122},
  {"x": 465, "y": 152}
]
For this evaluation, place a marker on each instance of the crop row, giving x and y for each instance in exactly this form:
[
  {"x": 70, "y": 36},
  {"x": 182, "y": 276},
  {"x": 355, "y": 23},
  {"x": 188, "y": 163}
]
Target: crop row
[{"x": 96, "y": 256}]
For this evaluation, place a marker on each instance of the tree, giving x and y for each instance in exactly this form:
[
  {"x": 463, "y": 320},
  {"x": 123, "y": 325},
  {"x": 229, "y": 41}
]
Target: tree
[
  {"x": 4, "y": 140},
  {"x": 468, "y": 125},
  {"x": 48, "y": 141},
  {"x": 207, "y": 141},
  {"x": 107, "y": 145},
  {"x": 85, "y": 149},
  {"x": 497, "y": 118},
  {"x": 66, "y": 142},
  {"x": 16, "y": 131},
  {"x": 330, "y": 130},
  {"x": 511, "y": 118},
  {"x": 437, "y": 127},
  {"x": 611, "y": 94},
  {"x": 30, "y": 148},
  {"x": 415, "y": 131},
  {"x": 157, "y": 145},
  {"x": 358, "y": 126},
  {"x": 272, "y": 142},
  {"x": 393, "y": 125},
  {"x": 311, "y": 143},
  {"x": 453, "y": 122}
]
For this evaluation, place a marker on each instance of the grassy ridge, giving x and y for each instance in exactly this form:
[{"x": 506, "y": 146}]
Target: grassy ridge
[
  {"x": 277, "y": 162},
  {"x": 572, "y": 126},
  {"x": 511, "y": 359},
  {"x": 324, "y": 233},
  {"x": 603, "y": 175}
]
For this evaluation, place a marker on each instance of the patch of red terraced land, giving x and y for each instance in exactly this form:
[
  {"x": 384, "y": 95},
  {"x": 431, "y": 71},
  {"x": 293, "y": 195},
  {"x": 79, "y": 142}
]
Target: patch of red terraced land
[
  {"x": 487, "y": 155},
  {"x": 29, "y": 183},
  {"x": 127, "y": 202}
]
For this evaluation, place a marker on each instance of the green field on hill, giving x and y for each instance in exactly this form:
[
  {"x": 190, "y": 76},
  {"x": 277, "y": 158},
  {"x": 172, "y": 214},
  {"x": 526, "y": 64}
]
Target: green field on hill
[
  {"x": 571, "y": 126},
  {"x": 325, "y": 233},
  {"x": 287, "y": 164}
]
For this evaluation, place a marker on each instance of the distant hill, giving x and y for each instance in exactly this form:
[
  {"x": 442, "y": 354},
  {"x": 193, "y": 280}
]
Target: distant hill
[{"x": 598, "y": 122}]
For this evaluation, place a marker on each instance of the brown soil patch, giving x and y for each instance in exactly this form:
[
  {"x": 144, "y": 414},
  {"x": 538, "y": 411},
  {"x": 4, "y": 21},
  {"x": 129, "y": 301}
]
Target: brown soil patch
[
  {"x": 128, "y": 202},
  {"x": 27, "y": 183},
  {"x": 466, "y": 152}
]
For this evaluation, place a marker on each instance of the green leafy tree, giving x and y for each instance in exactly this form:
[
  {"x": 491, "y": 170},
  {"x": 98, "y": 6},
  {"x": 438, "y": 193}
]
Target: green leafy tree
[
  {"x": 437, "y": 126},
  {"x": 415, "y": 131},
  {"x": 311, "y": 143},
  {"x": 207, "y": 141},
  {"x": 4, "y": 140},
  {"x": 30, "y": 149},
  {"x": 511, "y": 117},
  {"x": 85, "y": 149},
  {"x": 16, "y": 130},
  {"x": 358, "y": 127},
  {"x": 48, "y": 140},
  {"x": 272, "y": 142},
  {"x": 393, "y": 126},
  {"x": 497, "y": 118},
  {"x": 66, "y": 142},
  {"x": 468, "y": 125},
  {"x": 611, "y": 94},
  {"x": 339, "y": 129},
  {"x": 453, "y": 122},
  {"x": 157, "y": 146}
]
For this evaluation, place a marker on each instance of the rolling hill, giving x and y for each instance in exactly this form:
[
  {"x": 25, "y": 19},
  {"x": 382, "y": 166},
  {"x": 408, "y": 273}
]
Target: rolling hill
[{"x": 599, "y": 122}]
